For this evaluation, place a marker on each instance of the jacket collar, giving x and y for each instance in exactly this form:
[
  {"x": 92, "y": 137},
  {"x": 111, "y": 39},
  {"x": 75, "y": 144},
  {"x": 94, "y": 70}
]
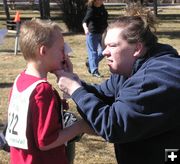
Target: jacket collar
[{"x": 158, "y": 50}]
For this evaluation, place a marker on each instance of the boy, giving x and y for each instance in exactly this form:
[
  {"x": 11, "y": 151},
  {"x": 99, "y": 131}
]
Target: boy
[{"x": 35, "y": 123}]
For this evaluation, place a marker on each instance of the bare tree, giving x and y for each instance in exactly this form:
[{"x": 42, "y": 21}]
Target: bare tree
[
  {"x": 142, "y": 3},
  {"x": 155, "y": 8},
  {"x": 44, "y": 8},
  {"x": 6, "y": 9},
  {"x": 73, "y": 14}
]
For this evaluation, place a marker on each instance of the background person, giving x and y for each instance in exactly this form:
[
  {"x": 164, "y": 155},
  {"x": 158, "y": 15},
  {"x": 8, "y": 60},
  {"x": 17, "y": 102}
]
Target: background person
[
  {"x": 35, "y": 131},
  {"x": 94, "y": 24},
  {"x": 137, "y": 108}
]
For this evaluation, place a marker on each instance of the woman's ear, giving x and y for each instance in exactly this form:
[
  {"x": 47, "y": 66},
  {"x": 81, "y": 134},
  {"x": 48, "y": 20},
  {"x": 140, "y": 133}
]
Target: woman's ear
[
  {"x": 42, "y": 50},
  {"x": 138, "y": 49}
]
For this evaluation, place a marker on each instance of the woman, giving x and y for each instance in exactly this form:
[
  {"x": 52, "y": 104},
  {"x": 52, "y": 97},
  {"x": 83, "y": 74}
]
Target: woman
[
  {"x": 94, "y": 24},
  {"x": 137, "y": 108}
]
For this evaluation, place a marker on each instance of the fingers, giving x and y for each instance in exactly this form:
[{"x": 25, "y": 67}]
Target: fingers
[
  {"x": 68, "y": 64},
  {"x": 68, "y": 82}
]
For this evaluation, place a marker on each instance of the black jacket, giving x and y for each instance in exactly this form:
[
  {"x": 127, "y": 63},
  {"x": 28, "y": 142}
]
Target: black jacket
[{"x": 96, "y": 19}]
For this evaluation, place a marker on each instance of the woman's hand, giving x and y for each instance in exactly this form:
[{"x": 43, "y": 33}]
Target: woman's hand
[
  {"x": 68, "y": 82},
  {"x": 67, "y": 64}
]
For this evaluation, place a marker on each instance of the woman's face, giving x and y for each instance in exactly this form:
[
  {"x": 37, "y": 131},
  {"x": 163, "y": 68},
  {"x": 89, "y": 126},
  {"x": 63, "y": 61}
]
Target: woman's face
[
  {"x": 119, "y": 53},
  {"x": 98, "y": 3}
]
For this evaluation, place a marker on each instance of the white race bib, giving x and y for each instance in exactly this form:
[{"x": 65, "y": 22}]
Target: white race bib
[{"x": 17, "y": 116}]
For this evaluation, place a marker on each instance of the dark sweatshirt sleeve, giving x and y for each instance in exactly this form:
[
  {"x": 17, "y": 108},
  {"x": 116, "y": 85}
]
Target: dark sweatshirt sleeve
[
  {"x": 145, "y": 104},
  {"x": 88, "y": 16}
]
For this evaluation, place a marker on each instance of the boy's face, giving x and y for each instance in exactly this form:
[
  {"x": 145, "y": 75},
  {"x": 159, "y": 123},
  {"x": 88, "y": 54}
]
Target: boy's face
[{"x": 55, "y": 55}]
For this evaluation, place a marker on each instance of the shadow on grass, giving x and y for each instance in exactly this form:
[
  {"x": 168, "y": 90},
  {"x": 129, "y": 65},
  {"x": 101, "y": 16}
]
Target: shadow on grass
[
  {"x": 6, "y": 85},
  {"x": 7, "y": 51},
  {"x": 173, "y": 18},
  {"x": 170, "y": 17},
  {"x": 169, "y": 34},
  {"x": 2, "y": 126},
  {"x": 11, "y": 36}
]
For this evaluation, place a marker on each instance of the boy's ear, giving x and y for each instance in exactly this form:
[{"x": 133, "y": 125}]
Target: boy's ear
[
  {"x": 42, "y": 50},
  {"x": 138, "y": 49}
]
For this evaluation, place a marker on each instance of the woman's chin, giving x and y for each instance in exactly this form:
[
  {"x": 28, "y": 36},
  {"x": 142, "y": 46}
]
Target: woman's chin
[{"x": 112, "y": 70}]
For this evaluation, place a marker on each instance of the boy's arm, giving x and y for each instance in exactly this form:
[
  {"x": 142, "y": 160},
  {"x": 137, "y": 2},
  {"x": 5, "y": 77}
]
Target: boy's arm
[{"x": 69, "y": 133}]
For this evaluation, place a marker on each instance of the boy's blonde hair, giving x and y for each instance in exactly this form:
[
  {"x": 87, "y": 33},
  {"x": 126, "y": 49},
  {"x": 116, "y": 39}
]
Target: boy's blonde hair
[{"x": 35, "y": 33}]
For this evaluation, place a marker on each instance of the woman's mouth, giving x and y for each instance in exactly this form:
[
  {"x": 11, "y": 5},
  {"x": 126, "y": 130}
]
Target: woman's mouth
[{"x": 109, "y": 62}]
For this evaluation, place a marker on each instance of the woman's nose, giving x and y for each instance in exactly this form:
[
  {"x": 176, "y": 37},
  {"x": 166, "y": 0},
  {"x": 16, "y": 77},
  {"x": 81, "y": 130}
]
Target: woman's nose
[{"x": 105, "y": 52}]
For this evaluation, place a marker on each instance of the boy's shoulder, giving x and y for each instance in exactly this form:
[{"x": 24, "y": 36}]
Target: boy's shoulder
[{"x": 25, "y": 80}]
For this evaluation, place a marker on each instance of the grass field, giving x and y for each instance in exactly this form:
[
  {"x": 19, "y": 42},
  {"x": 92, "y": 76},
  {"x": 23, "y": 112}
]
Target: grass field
[{"x": 91, "y": 149}]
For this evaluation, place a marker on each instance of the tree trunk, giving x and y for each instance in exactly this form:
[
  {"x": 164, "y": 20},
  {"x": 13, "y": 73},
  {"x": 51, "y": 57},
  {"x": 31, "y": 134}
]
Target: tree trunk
[
  {"x": 41, "y": 9},
  {"x": 155, "y": 8},
  {"x": 73, "y": 14},
  {"x": 44, "y": 8},
  {"x": 47, "y": 9},
  {"x": 6, "y": 9}
]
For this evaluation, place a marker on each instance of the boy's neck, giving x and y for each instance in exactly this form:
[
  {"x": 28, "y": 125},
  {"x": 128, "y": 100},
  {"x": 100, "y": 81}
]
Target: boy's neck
[{"x": 35, "y": 70}]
